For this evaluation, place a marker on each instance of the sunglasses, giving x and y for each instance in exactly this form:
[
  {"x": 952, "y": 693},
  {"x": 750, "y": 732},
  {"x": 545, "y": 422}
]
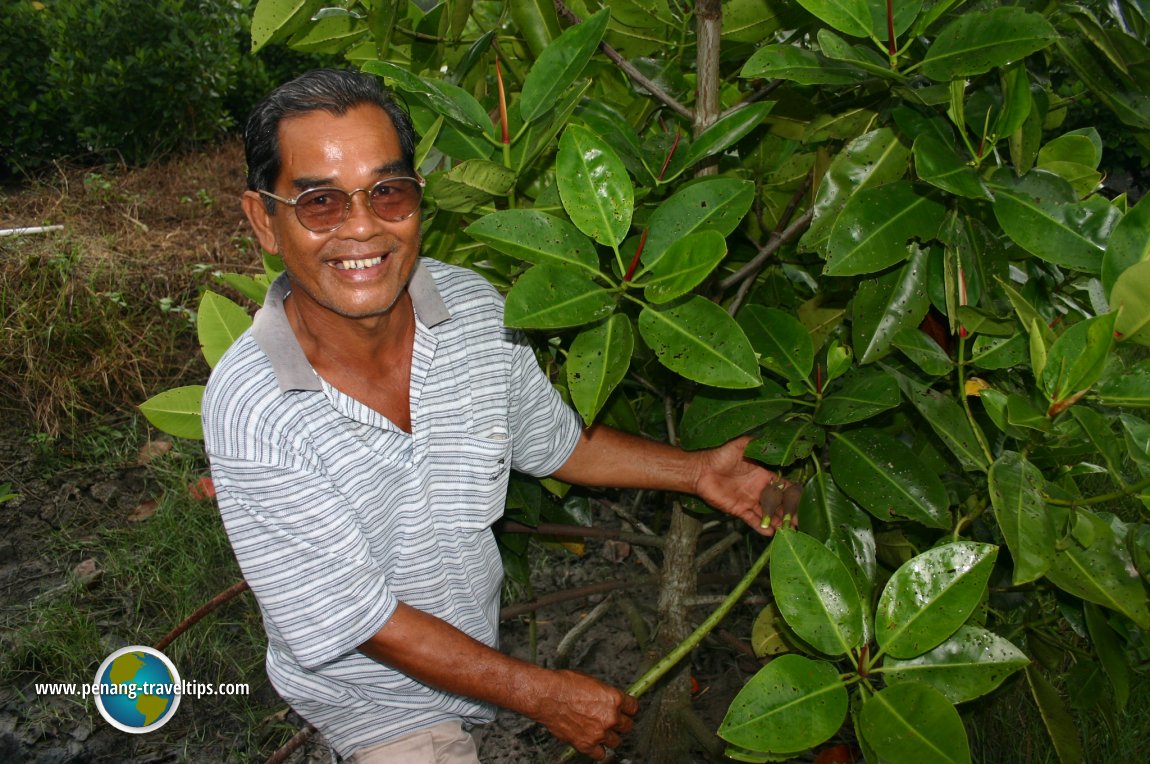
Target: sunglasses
[{"x": 322, "y": 210}]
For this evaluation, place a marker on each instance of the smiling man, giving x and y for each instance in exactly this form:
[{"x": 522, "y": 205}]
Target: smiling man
[{"x": 362, "y": 434}]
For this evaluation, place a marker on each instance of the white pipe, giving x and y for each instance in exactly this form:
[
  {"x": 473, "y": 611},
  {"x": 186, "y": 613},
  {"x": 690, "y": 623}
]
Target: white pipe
[{"x": 30, "y": 230}]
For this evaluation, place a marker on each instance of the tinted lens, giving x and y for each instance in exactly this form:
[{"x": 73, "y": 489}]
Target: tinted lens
[
  {"x": 395, "y": 199},
  {"x": 322, "y": 209}
]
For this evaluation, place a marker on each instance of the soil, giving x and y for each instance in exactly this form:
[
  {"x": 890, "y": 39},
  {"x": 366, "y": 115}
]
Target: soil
[{"x": 81, "y": 500}]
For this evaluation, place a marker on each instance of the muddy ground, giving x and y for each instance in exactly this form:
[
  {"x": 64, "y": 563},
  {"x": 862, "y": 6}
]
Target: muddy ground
[{"x": 179, "y": 217}]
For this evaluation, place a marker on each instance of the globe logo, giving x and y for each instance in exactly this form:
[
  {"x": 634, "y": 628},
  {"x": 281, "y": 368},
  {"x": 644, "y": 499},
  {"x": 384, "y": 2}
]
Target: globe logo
[{"x": 139, "y": 689}]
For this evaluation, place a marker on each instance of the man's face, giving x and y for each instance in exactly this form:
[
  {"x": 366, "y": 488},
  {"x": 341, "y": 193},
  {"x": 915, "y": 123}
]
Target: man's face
[{"x": 361, "y": 268}]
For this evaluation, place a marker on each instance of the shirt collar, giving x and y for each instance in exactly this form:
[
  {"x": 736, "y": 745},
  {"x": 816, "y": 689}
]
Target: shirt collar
[{"x": 275, "y": 337}]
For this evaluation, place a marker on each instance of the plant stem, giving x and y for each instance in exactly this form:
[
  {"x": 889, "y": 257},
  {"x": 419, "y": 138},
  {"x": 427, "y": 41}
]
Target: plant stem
[
  {"x": 979, "y": 435},
  {"x": 1102, "y": 499}
]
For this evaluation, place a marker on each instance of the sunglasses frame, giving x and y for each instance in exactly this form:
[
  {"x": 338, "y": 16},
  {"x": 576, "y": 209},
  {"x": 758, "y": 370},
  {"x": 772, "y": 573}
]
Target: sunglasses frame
[{"x": 294, "y": 203}]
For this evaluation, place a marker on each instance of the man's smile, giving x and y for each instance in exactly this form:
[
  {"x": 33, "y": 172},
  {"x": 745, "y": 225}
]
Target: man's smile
[{"x": 357, "y": 265}]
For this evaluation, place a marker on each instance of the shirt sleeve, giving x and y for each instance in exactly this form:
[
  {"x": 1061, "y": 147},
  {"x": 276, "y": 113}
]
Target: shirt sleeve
[
  {"x": 544, "y": 429},
  {"x": 305, "y": 558}
]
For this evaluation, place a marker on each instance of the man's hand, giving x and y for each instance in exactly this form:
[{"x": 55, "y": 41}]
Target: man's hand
[
  {"x": 586, "y": 713},
  {"x": 731, "y": 483}
]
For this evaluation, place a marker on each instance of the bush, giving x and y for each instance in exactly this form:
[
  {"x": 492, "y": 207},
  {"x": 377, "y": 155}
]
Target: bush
[{"x": 126, "y": 80}]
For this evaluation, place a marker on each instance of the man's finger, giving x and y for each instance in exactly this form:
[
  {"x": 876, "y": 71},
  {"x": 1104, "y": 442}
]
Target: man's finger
[{"x": 630, "y": 705}]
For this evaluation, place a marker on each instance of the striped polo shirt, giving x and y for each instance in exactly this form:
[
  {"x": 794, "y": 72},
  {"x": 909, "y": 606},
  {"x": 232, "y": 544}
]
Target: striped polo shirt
[{"x": 336, "y": 514}]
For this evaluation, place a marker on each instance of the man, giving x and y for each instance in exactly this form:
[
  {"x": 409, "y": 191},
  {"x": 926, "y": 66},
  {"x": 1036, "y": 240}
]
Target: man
[{"x": 362, "y": 434}]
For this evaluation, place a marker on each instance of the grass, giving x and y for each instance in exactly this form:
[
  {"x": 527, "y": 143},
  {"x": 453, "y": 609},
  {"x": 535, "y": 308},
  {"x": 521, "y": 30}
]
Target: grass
[{"x": 154, "y": 573}]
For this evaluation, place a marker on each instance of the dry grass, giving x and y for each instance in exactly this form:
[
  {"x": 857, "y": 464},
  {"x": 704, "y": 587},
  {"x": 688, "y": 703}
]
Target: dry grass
[{"x": 96, "y": 317}]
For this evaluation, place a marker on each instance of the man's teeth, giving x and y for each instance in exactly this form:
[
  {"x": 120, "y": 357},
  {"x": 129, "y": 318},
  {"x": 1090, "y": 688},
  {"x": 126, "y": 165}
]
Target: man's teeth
[{"x": 358, "y": 265}]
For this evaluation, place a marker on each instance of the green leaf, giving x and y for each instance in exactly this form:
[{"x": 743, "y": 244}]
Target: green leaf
[
  {"x": 276, "y": 20},
  {"x": 330, "y": 35},
  {"x": 886, "y": 306},
  {"x": 1077, "y": 359},
  {"x": 791, "y": 704},
  {"x": 815, "y": 593},
  {"x": 1071, "y": 235},
  {"x": 872, "y": 159},
  {"x": 559, "y": 65},
  {"x": 1017, "y": 101},
  {"x": 177, "y": 411},
  {"x": 781, "y": 341},
  {"x": 887, "y": 479},
  {"x": 728, "y": 130},
  {"x": 804, "y": 67},
  {"x": 939, "y": 165},
  {"x": 926, "y": 354},
  {"x": 784, "y": 443},
  {"x": 402, "y": 79},
  {"x": 698, "y": 340},
  {"x": 861, "y": 396},
  {"x": 1131, "y": 298},
  {"x": 255, "y": 288},
  {"x": 875, "y": 226},
  {"x": 826, "y": 514},
  {"x": 537, "y": 21},
  {"x": 914, "y": 723},
  {"x": 1016, "y": 490},
  {"x": 538, "y": 238},
  {"x": 851, "y": 17},
  {"x": 685, "y": 265},
  {"x": 1060, "y": 725},
  {"x": 969, "y": 664},
  {"x": 219, "y": 323},
  {"x": 594, "y": 185},
  {"x": 998, "y": 353},
  {"x": 948, "y": 420},
  {"x": 931, "y": 595},
  {"x": 716, "y": 416},
  {"x": 597, "y": 362},
  {"x": 975, "y": 43},
  {"x": 1108, "y": 647},
  {"x": 469, "y": 185},
  {"x": 1128, "y": 389},
  {"x": 1102, "y": 572},
  {"x": 717, "y": 204},
  {"x": 546, "y": 297},
  {"x": 1129, "y": 243}
]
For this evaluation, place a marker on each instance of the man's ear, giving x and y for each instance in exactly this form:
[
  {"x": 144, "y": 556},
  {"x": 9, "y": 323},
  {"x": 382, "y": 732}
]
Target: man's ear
[{"x": 257, "y": 214}]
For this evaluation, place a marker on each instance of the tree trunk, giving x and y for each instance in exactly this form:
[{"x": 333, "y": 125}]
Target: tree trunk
[{"x": 668, "y": 740}]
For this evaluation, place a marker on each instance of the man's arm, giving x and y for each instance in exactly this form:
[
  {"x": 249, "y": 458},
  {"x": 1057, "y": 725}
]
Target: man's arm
[
  {"x": 721, "y": 476},
  {"x": 574, "y": 707}
]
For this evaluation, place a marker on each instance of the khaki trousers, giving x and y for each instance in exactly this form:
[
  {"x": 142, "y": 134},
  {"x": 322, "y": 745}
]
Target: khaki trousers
[{"x": 445, "y": 743}]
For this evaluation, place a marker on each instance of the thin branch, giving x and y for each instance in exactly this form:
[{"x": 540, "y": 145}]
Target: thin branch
[
  {"x": 756, "y": 263},
  {"x": 638, "y": 77},
  {"x": 288, "y": 748},
  {"x": 754, "y": 97},
  {"x": 230, "y": 593},
  {"x": 721, "y": 546}
]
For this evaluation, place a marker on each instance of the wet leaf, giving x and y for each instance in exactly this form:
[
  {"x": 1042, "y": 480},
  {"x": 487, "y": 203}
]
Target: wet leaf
[
  {"x": 969, "y": 664},
  {"x": 914, "y": 723},
  {"x": 876, "y": 225},
  {"x": 887, "y": 479},
  {"x": 816, "y": 593},
  {"x": 931, "y": 595},
  {"x": 793, "y": 703},
  {"x": 594, "y": 185},
  {"x": 975, "y": 43},
  {"x": 1016, "y": 489}
]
